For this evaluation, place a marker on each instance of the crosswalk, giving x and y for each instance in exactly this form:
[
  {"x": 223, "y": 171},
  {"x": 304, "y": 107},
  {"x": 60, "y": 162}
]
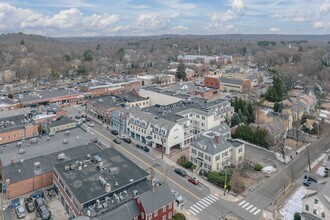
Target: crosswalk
[
  {"x": 249, "y": 207},
  {"x": 202, "y": 204}
]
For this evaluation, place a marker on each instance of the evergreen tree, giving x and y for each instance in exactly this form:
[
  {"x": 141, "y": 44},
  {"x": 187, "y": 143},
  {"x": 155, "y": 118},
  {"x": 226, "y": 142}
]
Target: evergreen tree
[
  {"x": 235, "y": 120},
  {"x": 22, "y": 42},
  {"x": 88, "y": 55},
  {"x": 181, "y": 71}
]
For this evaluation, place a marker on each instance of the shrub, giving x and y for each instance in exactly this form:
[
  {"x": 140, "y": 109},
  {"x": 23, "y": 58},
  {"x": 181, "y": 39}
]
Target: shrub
[
  {"x": 187, "y": 164},
  {"x": 296, "y": 216},
  {"x": 258, "y": 167},
  {"x": 178, "y": 216}
]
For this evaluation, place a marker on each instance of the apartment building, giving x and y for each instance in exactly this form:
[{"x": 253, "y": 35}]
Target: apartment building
[
  {"x": 316, "y": 204},
  {"x": 212, "y": 151}
]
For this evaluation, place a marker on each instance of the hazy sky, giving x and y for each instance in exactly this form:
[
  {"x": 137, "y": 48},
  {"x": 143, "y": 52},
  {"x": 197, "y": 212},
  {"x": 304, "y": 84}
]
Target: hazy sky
[{"x": 141, "y": 17}]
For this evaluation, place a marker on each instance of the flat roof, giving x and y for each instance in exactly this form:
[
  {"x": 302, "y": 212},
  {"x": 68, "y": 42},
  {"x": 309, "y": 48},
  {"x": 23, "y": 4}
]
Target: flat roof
[
  {"x": 117, "y": 168},
  {"x": 108, "y": 101},
  {"x": 42, "y": 146},
  {"x": 45, "y": 94},
  {"x": 61, "y": 121},
  {"x": 20, "y": 171},
  {"x": 129, "y": 97}
]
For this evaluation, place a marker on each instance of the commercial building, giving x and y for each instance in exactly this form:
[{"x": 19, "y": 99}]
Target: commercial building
[
  {"x": 99, "y": 181},
  {"x": 316, "y": 204},
  {"x": 61, "y": 124},
  {"x": 228, "y": 84},
  {"x": 8, "y": 104},
  {"x": 17, "y": 125},
  {"x": 158, "y": 79},
  {"x": 212, "y": 152}
]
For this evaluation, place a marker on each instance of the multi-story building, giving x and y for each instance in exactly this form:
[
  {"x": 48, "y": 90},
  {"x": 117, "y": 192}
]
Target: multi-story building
[
  {"x": 316, "y": 204},
  {"x": 212, "y": 151},
  {"x": 8, "y": 104},
  {"x": 61, "y": 124},
  {"x": 101, "y": 107},
  {"x": 101, "y": 180},
  {"x": 17, "y": 125}
]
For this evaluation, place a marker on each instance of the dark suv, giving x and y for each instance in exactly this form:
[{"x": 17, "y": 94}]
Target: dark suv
[
  {"x": 181, "y": 172},
  {"x": 29, "y": 205},
  {"x": 308, "y": 180}
]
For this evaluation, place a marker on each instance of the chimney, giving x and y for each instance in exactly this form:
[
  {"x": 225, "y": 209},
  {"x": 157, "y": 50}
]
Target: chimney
[
  {"x": 107, "y": 187},
  {"x": 217, "y": 138}
]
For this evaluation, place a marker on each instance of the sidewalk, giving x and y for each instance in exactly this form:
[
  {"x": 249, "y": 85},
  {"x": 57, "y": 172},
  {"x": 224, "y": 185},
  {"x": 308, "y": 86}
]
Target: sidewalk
[{"x": 214, "y": 190}]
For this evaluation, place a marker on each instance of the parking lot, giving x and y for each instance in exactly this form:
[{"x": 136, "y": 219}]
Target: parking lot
[{"x": 53, "y": 205}]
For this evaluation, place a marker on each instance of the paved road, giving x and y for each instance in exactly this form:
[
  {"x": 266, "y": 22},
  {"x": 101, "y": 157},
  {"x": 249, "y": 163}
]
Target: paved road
[{"x": 200, "y": 203}]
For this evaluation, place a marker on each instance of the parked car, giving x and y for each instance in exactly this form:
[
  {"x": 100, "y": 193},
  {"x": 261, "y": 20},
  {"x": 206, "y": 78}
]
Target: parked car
[
  {"x": 193, "y": 180},
  {"x": 181, "y": 172},
  {"x": 139, "y": 146},
  {"x": 88, "y": 119},
  {"x": 121, "y": 136},
  {"x": 127, "y": 140},
  {"x": 65, "y": 141},
  {"x": 114, "y": 132},
  {"x": 44, "y": 213},
  {"x": 91, "y": 124},
  {"x": 146, "y": 149},
  {"x": 29, "y": 205},
  {"x": 39, "y": 202},
  {"x": 20, "y": 211},
  {"x": 308, "y": 180},
  {"x": 179, "y": 199},
  {"x": 175, "y": 193},
  {"x": 88, "y": 129},
  {"x": 117, "y": 141}
]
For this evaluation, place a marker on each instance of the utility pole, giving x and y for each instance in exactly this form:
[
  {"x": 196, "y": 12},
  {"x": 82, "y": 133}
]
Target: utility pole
[{"x": 225, "y": 186}]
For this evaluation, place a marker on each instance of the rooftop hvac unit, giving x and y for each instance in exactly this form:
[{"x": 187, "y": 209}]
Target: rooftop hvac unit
[
  {"x": 135, "y": 192},
  {"x": 61, "y": 156},
  {"x": 37, "y": 165},
  {"x": 72, "y": 166},
  {"x": 66, "y": 168},
  {"x": 107, "y": 187},
  {"x": 97, "y": 158}
]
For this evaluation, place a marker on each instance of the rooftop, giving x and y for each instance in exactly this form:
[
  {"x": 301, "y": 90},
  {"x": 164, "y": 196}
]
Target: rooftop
[
  {"x": 20, "y": 171},
  {"x": 107, "y": 166},
  {"x": 42, "y": 146},
  {"x": 61, "y": 121},
  {"x": 108, "y": 101},
  {"x": 45, "y": 94},
  {"x": 152, "y": 201},
  {"x": 5, "y": 101},
  {"x": 231, "y": 81},
  {"x": 129, "y": 97}
]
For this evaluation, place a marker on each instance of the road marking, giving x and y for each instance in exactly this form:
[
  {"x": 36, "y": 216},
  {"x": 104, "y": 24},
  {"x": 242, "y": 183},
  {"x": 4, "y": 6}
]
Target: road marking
[
  {"x": 209, "y": 200},
  {"x": 209, "y": 197},
  {"x": 248, "y": 208},
  {"x": 195, "y": 210},
  {"x": 214, "y": 197},
  {"x": 147, "y": 164},
  {"x": 242, "y": 203},
  {"x": 246, "y": 204},
  {"x": 191, "y": 212},
  {"x": 200, "y": 205},
  {"x": 208, "y": 203},
  {"x": 256, "y": 212},
  {"x": 252, "y": 210},
  {"x": 196, "y": 207}
]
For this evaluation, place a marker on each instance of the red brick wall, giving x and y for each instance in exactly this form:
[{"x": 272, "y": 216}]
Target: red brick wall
[
  {"x": 212, "y": 82},
  {"x": 246, "y": 86},
  {"x": 29, "y": 185},
  {"x": 160, "y": 213}
]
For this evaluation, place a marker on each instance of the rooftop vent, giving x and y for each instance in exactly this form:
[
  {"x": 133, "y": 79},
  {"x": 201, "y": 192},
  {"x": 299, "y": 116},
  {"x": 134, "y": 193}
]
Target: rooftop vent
[
  {"x": 66, "y": 168},
  {"x": 97, "y": 158},
  {"x": 61, "y": 156},
  {"x": 107, "y": 187},
  {"x": 37, "y": 165}
]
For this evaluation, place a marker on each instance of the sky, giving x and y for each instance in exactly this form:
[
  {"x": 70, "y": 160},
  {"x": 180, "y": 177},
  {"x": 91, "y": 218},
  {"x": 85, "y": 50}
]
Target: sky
[{"x": 77, "y": 18}]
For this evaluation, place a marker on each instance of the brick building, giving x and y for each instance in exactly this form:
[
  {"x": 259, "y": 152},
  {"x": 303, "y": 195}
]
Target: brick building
[{"x": 228, "y": 84}]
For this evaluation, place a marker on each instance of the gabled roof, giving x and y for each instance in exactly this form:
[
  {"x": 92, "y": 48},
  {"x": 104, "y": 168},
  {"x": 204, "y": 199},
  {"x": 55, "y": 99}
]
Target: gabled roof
[
  {"x": 152, "y": 201},
  {"x": 321, "y": 190}
]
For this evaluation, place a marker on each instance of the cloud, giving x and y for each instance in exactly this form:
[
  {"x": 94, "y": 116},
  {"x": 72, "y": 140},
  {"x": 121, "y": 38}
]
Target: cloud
[
  {"x": 237, "y": 5},
  {"x": 152, "y": 22},
  {"x": 179, "y": 29},
  {"x": 73, "y": 19},
  {"x": 220, "y": 28},
  {"x": 227, "y": 16},
  {"x": 325, "y": 7},
  {"x": 274, "y": 29},
  {"x": 318, "y": 25}
]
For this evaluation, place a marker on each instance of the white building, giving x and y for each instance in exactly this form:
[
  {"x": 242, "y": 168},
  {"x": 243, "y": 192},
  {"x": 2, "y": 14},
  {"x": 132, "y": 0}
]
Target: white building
[
  {"x": 316, "y": 203},
  {"x": 212, "y": 152}
]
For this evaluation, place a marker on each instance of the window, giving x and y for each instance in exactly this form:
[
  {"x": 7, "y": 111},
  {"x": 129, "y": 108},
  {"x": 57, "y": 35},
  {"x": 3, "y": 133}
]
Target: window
[
  {"x": 224, "y": 154},
  {"x": 164, "y": 208},
  {"x": 193, "y": 151},
  {"x": 240, "y": 159},
  {"x": 203, "y": 117},
  {"x": 156, "y": 213},
  {"x": 150, "y": 216},
  {"x": 314, "y": 211},
  {"x": 200, "y": 154},
  {"x": 164, "y": 217},
  {"x": 197, "y": 116},
  {"x": 316, "y": 201},
  {"x": 240, "y": 150},
  {"x": 217, "y": 158},
  {"x": 306, "y": 207},
  {"x": 68, "y": 193},
  {"x": 323, "y": 215},
  {"x": 170, "y": 215},
  {"x": 142, "y": 215},
  {"x": 135, "y": 218},
  {"x": 170, "y": 205}
]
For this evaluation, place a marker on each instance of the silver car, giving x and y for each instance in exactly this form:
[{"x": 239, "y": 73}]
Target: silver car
[{"x": 20, "y": 211}]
